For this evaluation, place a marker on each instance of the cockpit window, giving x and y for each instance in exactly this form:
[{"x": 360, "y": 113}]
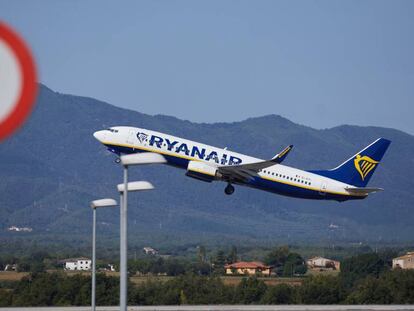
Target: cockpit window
[{"x": 112, "y": 130}]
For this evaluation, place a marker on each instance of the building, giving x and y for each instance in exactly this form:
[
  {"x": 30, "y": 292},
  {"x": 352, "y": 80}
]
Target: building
[
  {"x": 82, "y": 263},
  {"x": 20, "y": 229},
  {"x": 321, "y": 263},
  {"x": 108, "y": 267},
  {"x": 150, "y": 251},
  {"x": 10, "y": 267},
  {"x": 250, "y": 268},
  {"x": 404, "y": 262}
]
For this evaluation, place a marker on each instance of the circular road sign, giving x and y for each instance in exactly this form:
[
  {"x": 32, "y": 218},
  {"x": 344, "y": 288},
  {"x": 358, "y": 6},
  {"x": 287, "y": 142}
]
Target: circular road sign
[{"x": 18, "y": 85}]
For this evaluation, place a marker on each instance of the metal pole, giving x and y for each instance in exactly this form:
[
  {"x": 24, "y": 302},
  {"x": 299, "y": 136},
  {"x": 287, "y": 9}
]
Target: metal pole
[
  {"x": 93, "y": 259},
  {"x": 124, "y": 250}
]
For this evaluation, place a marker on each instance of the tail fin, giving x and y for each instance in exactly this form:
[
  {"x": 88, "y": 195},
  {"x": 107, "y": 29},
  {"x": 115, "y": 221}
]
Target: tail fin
[{"x": 358, "y": 169}]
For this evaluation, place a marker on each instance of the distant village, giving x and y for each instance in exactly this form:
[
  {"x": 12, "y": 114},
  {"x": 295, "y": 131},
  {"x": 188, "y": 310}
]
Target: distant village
[{"x": 315, "y": 264}]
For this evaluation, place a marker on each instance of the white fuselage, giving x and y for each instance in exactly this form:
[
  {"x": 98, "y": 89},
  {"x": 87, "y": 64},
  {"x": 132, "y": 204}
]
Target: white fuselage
[{"x": 278, "y": 178}]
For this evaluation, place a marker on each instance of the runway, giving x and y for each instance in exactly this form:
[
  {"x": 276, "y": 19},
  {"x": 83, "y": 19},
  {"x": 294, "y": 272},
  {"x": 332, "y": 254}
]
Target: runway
[{"x": 227, "y": 308}]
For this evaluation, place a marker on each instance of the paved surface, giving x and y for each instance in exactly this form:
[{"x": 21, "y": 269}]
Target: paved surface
[{"x": 228, "y": 308}]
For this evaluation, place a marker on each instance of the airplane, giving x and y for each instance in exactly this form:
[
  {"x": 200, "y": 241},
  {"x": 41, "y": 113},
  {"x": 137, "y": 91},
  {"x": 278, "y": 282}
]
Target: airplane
[{"x": 347, "y": 181}]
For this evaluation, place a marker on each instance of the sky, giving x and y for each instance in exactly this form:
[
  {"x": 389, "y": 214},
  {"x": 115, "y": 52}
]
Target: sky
[{"x": 317, "y": 63}]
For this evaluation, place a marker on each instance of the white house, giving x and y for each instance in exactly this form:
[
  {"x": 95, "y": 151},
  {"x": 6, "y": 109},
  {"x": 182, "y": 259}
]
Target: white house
[
  {"x": 321, "y": 263},
  {"x": 10, "y": 267},
  {"x": 404, "y": 262},
  {"x": 150, "y": 251},
  {"x": 78, "y": 264}
]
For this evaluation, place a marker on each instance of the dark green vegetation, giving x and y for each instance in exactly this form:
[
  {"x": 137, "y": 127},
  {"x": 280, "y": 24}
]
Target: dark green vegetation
[
  {"x": 366, "y": 280},
  {"x": 286, "y": 263},
  {"x": 53, "y": 167}
]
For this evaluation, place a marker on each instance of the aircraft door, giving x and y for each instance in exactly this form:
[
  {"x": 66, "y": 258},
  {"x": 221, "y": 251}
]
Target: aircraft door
[
  {"x": 131, "y": 137},
  {"x": 322, "y": 190}
]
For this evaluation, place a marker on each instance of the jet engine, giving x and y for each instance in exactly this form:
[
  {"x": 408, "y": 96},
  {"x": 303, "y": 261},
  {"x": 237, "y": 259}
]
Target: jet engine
[{"x": 202, "y": 171}]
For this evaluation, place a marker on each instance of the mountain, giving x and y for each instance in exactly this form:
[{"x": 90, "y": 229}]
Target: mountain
[{"x": 53, "y": 167}]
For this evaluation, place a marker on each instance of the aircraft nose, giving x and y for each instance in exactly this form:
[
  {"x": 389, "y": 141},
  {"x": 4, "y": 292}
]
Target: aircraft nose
[{"x": 100, "y": 135}]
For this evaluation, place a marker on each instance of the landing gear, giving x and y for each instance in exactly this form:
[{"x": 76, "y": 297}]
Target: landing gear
[
  {"x": 118, "y": 160},
  {"x": 229, "y": 189}
]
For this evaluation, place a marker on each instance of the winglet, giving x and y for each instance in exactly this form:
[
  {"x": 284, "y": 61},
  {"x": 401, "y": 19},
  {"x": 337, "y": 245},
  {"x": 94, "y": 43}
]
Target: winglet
[{"x": 282, "y": 155}]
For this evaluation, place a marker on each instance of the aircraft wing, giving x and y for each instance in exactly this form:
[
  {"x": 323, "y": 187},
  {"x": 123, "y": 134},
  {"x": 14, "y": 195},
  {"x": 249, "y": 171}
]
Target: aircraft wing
[{"x": 245, "y": 172}]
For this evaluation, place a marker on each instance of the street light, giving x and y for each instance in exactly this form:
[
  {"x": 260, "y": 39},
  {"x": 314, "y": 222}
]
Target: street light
[
  {"x": 94, "y": 205},
  {"x": 127, "y": 160}
]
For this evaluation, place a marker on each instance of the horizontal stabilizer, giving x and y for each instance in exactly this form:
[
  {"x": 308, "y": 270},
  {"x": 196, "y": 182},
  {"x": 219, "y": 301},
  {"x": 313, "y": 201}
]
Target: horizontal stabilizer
[{"x": 363, "y": 190}]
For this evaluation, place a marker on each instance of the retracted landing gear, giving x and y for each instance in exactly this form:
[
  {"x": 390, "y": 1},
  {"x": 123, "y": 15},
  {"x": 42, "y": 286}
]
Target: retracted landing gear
[{"x": 229, "y": 189}]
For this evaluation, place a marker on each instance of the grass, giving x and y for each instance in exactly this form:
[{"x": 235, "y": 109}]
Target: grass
[
  {"x": 323, "y": 272},
  {"x": 13, "y": 276}
]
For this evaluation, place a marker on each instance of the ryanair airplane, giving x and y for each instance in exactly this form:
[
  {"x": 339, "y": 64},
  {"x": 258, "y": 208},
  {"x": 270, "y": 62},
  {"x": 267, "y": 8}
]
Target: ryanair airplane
[{"x": 347, "y": 181}]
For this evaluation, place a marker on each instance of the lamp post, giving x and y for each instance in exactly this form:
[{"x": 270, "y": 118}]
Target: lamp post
[
  {"x": 94, "y": 205},
  {"x": 126, "y": 161}
]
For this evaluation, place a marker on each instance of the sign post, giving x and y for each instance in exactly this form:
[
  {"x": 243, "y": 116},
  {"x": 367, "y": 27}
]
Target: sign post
[{"x": 18, "y": 86}]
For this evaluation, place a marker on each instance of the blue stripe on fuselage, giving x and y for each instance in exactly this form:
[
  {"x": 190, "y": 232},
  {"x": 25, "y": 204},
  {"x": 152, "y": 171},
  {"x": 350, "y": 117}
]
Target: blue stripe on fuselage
[{"x": 256, "y": 182}]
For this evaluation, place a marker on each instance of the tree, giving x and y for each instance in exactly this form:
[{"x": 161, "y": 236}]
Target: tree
[
  {"x": 392, "y": 287},
  {"x": 202, "y": 254},
  {"x": 174, "y": 267},
  {"x": 321, "y": 290},
  {"x": 201, "y": 268},
  {"x": 250, "y": 290},
  {"x": 219, "y": 262},
  {"x": 200, "y": 290},
  {"x": 360, "y": 266},
  {"x": 232, "y": 256},
  {"x": 400, "y": 284},
  {"x": 294, "y": 265},
  {"x": 279, "y": 294},
  {"x": 58, "y": 289},
  {"x": 5, "y": 297},
  {"x": 277, "y": 257},
  {"x": 370, "y": 291}
]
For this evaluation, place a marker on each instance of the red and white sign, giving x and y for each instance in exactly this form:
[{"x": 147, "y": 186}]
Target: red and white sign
[{"x": 18, "y": 86}]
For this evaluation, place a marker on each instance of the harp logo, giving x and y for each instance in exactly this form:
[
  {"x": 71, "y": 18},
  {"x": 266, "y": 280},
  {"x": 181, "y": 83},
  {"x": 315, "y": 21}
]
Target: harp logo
[
  {"x": 142, "y": 137},
  {"x": 364, "y": 165}
]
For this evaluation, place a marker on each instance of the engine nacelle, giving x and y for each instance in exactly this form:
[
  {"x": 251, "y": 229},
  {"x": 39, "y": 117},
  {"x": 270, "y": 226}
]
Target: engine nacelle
[{"x": 202, "y": 171}]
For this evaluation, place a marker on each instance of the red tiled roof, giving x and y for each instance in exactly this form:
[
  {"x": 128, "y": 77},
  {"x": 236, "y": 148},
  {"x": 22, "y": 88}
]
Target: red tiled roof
[
  {"x": 406, "y": 256},
  {"x": 247, "y": 265}
]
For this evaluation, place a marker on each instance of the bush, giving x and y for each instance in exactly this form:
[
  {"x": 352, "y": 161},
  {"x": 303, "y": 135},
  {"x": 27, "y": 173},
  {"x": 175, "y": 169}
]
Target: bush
[
  {"x": 250, "y": 290},
  {"x": 186, "y": 289},
  {"x": 361, "y": 266},
  {"x": 58, "y": 289},
  {"x": 321, "y": 290},
  {"x": 294, "y": 265},
  {"x": 5, "y": 297},
  {"x": 370, "y": 291},
  {"x": 279, "y": 294},
  {"x": 393, "y": 287}
]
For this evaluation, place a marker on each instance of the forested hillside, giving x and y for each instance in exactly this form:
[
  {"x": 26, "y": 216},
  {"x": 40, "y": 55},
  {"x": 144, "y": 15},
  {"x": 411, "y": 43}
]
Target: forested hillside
[{"x": 53, "y": 167}]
